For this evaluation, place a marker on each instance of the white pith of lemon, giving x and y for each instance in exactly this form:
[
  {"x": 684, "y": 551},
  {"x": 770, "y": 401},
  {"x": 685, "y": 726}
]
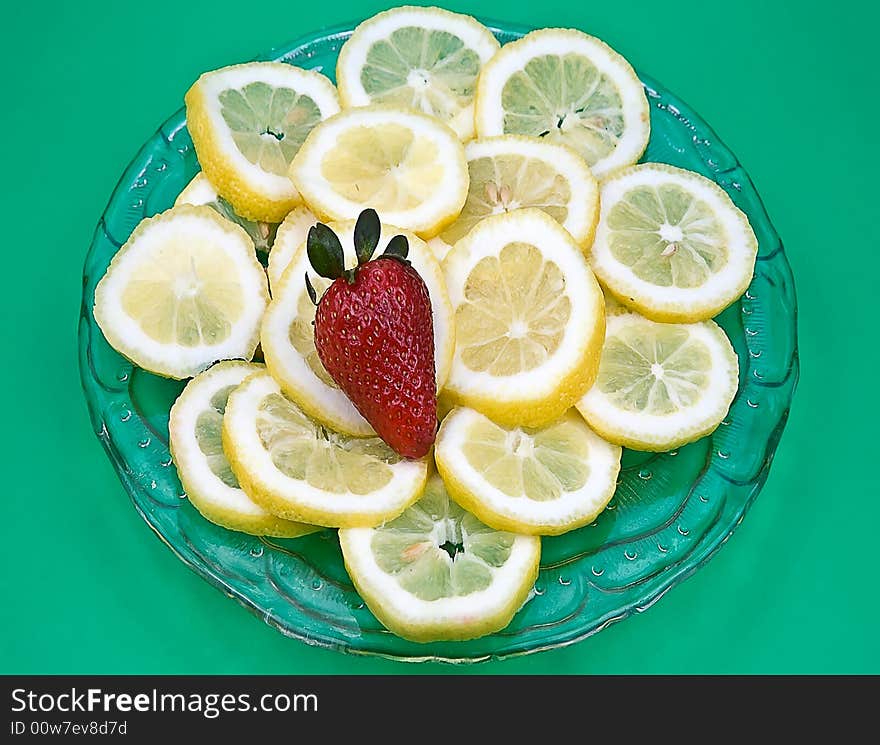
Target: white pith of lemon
[
  {"x": 291, "y": 236},
  {"x": 566, "y": 86},
  {"x": 299, "y": 470},
  {"x": 184, "y": 291},
  {"x": 407, "y": 166},
  {"x": 542, "y": 481},
  {"x": 247, "y": 122},
  {"x": 288, "y": 339},
  {"x": 529, "y": 319},
  {"x": 511, "y": 171},
  {"x": 426, "y": 59},
  {"x": 408, "y": 578},
  {"x": 195, "y": 432},
  {"x": 197, "y": 192},
  {"x": 660, "y": 385},
  {"x": 671, "y": 244}
]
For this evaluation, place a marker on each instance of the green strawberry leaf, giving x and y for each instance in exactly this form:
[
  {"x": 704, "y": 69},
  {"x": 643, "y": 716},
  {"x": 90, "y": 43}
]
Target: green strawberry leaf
[
  {"x": 366, "y": 235},
  {"x": 397, "y": 248},
  {"x": 325, "y": 251}
]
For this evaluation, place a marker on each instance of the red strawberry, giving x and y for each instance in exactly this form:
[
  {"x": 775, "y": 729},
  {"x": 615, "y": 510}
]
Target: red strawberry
[{"x": 374, "y": 334}]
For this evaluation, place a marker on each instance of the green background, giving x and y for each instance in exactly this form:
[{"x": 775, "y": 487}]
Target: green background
[{"x": 85, "y": 585}]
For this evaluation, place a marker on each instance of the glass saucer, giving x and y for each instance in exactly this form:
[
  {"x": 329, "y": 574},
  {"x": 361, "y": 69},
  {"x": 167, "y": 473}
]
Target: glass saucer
[{"x": 670, "y": 514}]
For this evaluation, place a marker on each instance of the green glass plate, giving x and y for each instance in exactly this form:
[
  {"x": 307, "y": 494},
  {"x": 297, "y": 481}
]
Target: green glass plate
[{"x": 671, "y": 512}]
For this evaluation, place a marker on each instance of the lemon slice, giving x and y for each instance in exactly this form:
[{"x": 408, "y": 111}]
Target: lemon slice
[
  {"x": 194, "y": 427},
  {"x": 543, "y": 481},
  {"x": 566, "y": 86},
  {"x": 529, "y": 319},
  {"x": 247, "y": 122},
  {"x": 288, "y": 337},
  {"x": 199, "y": 191},
  {"x": 660, "y": 385},
  {"x": 420, "y": 58},
  {"x": 184, "y": 291},
  {"x": 437, "y": 572},
  {"x": 671, "y": 244},
  {"x": 510, "y": 172},
  {"x": 299, "y": 470},
  {"x": 291, "y": 236},
  {"x": 407, "y": 166}
]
